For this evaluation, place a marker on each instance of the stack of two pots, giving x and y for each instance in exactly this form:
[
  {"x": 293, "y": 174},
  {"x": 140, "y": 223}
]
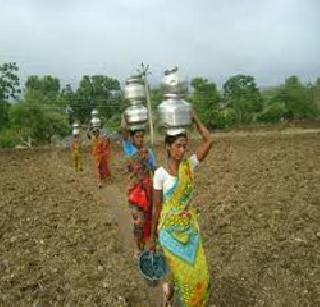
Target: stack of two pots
[
  {"x": 136, "y": 114},
  {"x": 95, "y": 120},
  {"x": 174, "y": 112}
]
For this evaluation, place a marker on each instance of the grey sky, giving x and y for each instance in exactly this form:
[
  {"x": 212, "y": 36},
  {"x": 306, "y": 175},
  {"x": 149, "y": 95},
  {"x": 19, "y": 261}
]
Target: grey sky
[{"x": 270, "y": 39}]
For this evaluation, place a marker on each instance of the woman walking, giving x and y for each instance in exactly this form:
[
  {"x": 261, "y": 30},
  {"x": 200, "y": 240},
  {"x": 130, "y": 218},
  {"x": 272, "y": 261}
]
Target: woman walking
[
  {"x": 175, "y": 222},
  {"x": 140, "y": 164},
  {"x": 75, "y": 153},
  {"x": 101, "y": 154}
]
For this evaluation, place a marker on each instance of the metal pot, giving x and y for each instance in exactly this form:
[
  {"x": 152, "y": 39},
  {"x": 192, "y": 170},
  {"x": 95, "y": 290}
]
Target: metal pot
[
  {"x": 175, "y": 113},
  {"x": 173, "y": 82},
  {"x": 75, "y": 131},
  {"x": 94, "y": 113},
  {"x": 134, "y": 88},
  {"x": 136, "y": 115},
  {"x": 96, "y": 122}
]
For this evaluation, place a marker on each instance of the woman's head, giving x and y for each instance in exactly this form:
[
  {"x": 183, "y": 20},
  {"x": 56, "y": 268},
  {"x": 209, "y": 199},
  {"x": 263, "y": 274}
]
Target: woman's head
[
  {"x": 95, "y": 132},
  {"x": 137, "y": 137},
  {"x": 176, "y": 145},
  {"x": 144, "y": 152}
]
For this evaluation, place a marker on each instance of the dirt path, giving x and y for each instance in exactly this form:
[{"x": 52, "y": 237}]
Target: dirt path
[
  {"x": 63, "y": 240},
  {"x": 113, "y": 194},
  {"x": 122, "y": 214}
]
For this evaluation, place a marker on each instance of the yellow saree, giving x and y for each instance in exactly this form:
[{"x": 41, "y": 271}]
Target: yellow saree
[
  {"x": 181, "y": 241},
  {"x": 76, "y": 156}
]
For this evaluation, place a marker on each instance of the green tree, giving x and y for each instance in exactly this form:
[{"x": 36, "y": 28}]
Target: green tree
[
  {"x": 315, "y": 96},
  {"x": 32, "y": 120},
  {"x": 9, "y": 88},
  {"x": 66, "y": 100},
  {"x": 224, "y": 118},
  {"x": 272, "y": 113},
  {"x": 156, "y": 97},
  {"x": 242, "y": 94},
  {"x": 205, "y": 99},
  {"x": 298, "y": 99},
  {"x": 44, "y": 89},
  {"x": 96, "y": 92}
]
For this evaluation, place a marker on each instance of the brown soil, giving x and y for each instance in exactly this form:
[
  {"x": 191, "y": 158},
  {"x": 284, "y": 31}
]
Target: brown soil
[{"x": 63, "y": 241}]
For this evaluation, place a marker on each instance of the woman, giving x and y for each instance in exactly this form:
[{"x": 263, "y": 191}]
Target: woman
[
  {"x": 140, "y": 165},
  {"x": 75, "y": 152},
  {"x": 101, "y": 154},
  {"x": 175, "y": 221},
  {"x": 133, "y": 140}
]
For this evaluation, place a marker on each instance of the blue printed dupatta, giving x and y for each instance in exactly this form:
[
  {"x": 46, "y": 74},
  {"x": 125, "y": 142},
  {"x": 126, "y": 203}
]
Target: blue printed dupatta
[{"x": 178, "y": 227}]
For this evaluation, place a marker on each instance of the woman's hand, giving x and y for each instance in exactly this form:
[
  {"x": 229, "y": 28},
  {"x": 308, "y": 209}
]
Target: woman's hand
[
  {"x": 197, "y": 122},
  {"x": 124, "y": 127},
  {"x": 152, "y": 244},
  {"x": 194, "y": 117},
  {"x": 206, "y": 144}
]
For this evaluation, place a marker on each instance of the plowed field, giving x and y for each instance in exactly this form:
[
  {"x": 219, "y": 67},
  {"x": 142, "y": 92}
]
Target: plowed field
[{"x": 63, "y": 241}]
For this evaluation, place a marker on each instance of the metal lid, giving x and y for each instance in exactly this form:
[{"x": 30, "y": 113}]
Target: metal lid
[
  {"x": 175, "y": 131},
  {"x": 171, "y": 70},
  {"x": 173, "y": 96},
  {"x": 135, "y": 79},
  {"x": 137, "y": 127}
]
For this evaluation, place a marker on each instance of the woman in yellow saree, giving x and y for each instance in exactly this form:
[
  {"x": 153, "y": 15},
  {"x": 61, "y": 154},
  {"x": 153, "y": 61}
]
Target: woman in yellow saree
[
  {"x": 175, "y": 222},
  {"x": 75, "y": 152}
]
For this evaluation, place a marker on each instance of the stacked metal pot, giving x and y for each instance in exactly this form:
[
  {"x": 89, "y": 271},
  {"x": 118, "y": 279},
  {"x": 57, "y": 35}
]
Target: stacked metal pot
[
  {"x": 95, "y": 120},
  {"x": 136, "y": 114},
  {"x": 174, "y": 112}
]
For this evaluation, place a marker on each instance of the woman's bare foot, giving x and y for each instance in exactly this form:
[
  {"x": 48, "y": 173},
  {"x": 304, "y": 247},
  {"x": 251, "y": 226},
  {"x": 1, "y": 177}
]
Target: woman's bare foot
[
  {"x": 168, "y": 293},
  {"x": 136, "y": 254}
]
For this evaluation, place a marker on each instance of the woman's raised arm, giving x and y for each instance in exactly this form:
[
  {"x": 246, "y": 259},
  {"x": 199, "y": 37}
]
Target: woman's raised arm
[
  {"x": 124, "y": 127},
  {"x": 206, "y": 144}
]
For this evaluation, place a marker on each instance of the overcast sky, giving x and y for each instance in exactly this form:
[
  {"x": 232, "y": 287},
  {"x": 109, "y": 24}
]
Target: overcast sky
[{"x": 269, "y": 39}]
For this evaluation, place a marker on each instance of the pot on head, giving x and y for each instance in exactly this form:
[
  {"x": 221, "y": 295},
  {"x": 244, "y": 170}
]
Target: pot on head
[
  {"x": 136, "y": 115},
  {"x": 175, "y": 113}
]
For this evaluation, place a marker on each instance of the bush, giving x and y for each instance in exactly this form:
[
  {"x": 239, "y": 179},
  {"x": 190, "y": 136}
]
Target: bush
[
  {"x": 8, "y": 139},
  {"x": 35, "y": 121},
  {"x": 272, "y": 114},
  {"x": 224, "y": 119}
]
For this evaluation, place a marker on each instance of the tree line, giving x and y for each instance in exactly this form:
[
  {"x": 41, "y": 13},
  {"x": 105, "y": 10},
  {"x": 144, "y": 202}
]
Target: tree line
[{"x": 44, "y": 108}]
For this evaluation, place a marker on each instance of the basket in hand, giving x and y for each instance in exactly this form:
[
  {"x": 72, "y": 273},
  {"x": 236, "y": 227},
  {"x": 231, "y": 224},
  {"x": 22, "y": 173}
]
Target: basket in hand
[{"x": 152, "y": 266}]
